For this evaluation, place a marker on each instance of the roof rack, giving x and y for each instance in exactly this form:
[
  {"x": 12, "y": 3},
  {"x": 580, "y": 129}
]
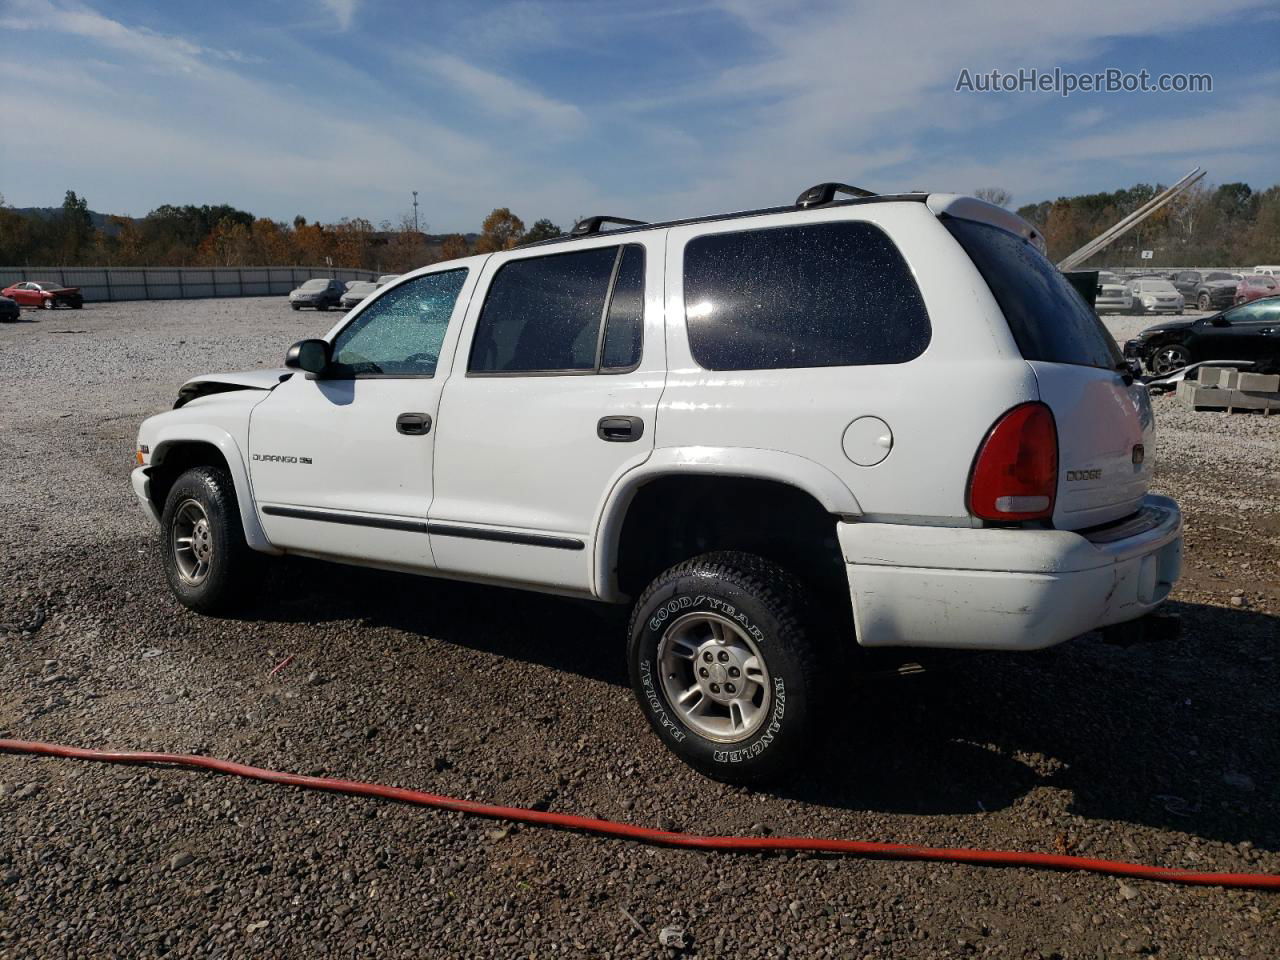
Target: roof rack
[
  {"x": 826, "y": 192},
  {"x": 590, "y": 225}
]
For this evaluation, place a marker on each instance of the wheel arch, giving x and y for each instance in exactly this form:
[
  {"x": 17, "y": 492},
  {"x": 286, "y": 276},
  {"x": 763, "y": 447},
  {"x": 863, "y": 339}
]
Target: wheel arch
[
  {"x": 804, "y": 484},
  {"x": 180, "y": 448}
]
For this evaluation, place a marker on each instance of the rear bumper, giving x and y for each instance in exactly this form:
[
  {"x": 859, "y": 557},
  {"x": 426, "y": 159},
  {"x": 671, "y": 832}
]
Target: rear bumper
[
  {"x": 140, "y": 479},
  {"x": 992, "y": 589}
]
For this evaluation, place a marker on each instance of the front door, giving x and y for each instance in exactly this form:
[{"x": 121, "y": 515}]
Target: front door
[
  {"x": 552, "y": 398},
  {"x": 1244, "y": 336},
  {"x": 341, "y": 464}
]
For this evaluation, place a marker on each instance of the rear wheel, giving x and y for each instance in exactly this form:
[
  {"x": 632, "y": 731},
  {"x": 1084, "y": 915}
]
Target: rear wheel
[
  {"x": 1171, "y": 357},
  {"x": 724, "y": 668},
  {"x": 206, "y": 560}
]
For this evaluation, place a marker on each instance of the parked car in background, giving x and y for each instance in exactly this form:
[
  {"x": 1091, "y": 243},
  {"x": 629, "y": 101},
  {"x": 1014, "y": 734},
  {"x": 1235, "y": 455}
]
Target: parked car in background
[
  {"x": 1113, "y": 295},
  {"x": 387, "y": 278},
  {"x": 1270, "y": 271},
  {"x": 356, "y": 291},
  {"x": 9, "y": 309},
  {"x": 318, "y": 293},
  {"x": 1209, "y": 291},
  {"x": 44, "y": 293},
  {"x": 1255, "y": 286},
  {"x": 1155, "y": 296},
  {"x": 1250, "y": 331}
]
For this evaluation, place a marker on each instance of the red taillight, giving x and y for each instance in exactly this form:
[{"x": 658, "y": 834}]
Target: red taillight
[{"x": 1015, "y": 475}]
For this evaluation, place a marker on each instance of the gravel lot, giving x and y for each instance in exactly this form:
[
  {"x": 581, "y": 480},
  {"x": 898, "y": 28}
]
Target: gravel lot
[{"x": 1163, "y": 751}]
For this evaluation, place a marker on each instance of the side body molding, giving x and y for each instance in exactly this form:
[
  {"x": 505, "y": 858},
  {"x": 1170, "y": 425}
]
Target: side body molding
[
  {"x": 175, "y": 434},
  {"x": 748, "y": 462}
]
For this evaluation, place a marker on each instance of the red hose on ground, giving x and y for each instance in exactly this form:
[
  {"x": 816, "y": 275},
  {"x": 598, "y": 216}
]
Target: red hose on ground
[{"x": 608, "y": 828}]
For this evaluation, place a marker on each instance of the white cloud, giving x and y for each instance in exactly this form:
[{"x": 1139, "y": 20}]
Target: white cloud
[
  {"x": 503, "y": 97},
  {"x": 344, "y": 11}
]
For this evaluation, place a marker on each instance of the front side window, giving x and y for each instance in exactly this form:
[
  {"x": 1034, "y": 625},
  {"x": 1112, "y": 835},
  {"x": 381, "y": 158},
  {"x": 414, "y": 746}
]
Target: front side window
[
  {"x": 818, "y": 295},
  {"x": 399, "y": 333},
  {"x": 544, "y": 314}
]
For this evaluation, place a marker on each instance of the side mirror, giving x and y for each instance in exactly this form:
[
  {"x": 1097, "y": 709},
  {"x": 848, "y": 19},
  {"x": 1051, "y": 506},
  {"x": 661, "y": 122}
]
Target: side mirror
[
  {"x": 1221, "y": 321},
  {"x": 311, "y": 356}
]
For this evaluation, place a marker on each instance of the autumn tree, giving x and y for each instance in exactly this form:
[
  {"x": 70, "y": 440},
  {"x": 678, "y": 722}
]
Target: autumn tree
[
  {"x": 543, "y": 229},
  {"x": 997, "y": 195},
  {"x": 501, "y": 230},
  {"x": 454, "y": 246},
  {"x": 76, "y": 227}
]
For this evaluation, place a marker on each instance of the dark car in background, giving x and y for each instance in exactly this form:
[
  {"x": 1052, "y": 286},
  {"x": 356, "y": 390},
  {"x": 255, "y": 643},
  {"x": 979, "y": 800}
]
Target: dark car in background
[
  {"x": 356, "y": 292},
  {"x": 44, "y": 293},
  {"x": 1255, "y": 286},
  {"x": 319, "y": 293},
  {"x": 1208, "y": 291},
  {"x": 9, "y": 310},
  {"x": 1250, "y": 331}
]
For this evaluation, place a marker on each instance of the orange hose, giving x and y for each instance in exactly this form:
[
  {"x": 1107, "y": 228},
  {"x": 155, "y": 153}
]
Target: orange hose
[{"x": 609, "y": 828}]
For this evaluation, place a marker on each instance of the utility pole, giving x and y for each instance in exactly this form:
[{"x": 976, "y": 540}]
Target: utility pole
[{"x": 415, "y": 211}]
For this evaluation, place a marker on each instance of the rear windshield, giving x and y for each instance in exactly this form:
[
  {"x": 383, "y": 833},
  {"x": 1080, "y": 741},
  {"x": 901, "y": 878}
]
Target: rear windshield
[
  {"x": 315, "y": 285},
  {"x": 1048, "y": 319}
]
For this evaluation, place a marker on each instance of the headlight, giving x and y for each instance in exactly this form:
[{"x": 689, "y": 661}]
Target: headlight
[{"x": 1148, "y": 300}]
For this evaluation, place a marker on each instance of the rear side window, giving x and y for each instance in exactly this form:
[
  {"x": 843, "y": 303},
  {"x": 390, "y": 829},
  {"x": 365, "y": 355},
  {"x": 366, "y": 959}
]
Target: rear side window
[
  {"x": 1049, "y": 320},
  {"x": 547, "y": 314},
  {"x": 818, "y": 295}
]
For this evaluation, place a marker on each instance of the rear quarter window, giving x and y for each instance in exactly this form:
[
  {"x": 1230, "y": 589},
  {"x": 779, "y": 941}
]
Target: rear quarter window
[
  {"x": 1049, "y": 320},
  {"x": 815, "y": 295}
]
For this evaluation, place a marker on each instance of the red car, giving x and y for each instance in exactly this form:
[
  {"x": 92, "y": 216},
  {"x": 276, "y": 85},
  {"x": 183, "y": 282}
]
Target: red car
[
  {"x": 44, "y": 293},
  {"x": 1255, "y": 286}
]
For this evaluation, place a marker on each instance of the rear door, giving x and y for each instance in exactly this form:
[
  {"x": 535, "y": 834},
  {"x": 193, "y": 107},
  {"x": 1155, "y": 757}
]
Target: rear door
[
  {"x": 1105, "y": 425},
  {"x": 551, "y": 400}
]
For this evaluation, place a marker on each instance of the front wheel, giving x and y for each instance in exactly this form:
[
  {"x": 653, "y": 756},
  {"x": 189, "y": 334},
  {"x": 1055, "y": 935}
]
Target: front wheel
[
  {"x": 723, "y": 666},
  {"x": 48, "y": 303},
  {"x": 1204, "y": 302},
  {"x": 1171, "y": 357},
  {"x": 206, "y": 560}
]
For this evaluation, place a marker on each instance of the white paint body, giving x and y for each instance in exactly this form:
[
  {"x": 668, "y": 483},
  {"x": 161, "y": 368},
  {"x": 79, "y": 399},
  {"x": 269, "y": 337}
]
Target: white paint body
[{"x": 518, "y": 458}]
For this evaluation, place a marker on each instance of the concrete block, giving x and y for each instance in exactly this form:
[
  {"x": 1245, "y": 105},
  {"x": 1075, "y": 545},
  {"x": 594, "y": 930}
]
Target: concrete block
[
  {"x": 1259, "y": 382},
  {"x": 1213, "y": 376}
]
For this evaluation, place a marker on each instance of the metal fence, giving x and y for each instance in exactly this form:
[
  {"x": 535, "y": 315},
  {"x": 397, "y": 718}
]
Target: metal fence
[{"x": 177, "y": 283}]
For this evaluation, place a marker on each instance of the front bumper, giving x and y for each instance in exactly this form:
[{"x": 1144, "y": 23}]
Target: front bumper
[
  {"x": 1118, "y": 304},
  {"x": 1007, "y": 589},
  {"x": 140, "y": 478}
]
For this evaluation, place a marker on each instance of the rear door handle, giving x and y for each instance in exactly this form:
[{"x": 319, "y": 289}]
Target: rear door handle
[
  {"x": 620, "y": 429},
  {"x": 414, "y": 424}
]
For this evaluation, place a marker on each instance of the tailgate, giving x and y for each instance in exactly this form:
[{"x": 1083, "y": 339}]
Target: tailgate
[{"x": 1106, "y": 438}]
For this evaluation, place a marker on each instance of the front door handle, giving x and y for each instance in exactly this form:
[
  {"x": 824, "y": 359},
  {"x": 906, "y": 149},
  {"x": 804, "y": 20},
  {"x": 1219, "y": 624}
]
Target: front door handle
[
  {"x": 414, "y": 424},
  {"x": 620, "y": 429}
]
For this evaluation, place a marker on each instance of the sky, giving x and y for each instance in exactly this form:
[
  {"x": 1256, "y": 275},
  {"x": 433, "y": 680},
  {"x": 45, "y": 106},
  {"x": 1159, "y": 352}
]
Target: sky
[{"x": 653, "y": 110}]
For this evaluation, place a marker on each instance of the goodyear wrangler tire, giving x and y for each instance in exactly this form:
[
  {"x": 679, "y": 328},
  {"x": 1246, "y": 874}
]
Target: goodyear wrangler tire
[
  {"x": 206, "y": 560},
  {"x": 724, "y": 668}
]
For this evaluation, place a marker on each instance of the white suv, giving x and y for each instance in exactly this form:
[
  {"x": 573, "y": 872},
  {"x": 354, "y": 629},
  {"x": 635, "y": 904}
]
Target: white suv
[{"x": 779, "y": 435}]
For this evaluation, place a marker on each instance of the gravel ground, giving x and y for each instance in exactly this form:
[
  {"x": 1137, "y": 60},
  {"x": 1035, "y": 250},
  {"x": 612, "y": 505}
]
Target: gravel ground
[{"x": 1162, "y": 751}]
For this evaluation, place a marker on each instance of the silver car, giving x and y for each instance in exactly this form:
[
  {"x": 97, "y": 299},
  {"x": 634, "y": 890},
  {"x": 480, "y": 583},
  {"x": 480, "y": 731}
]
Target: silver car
[
  {"x": 356, "y": 292},
  {"x": 1113, "y": 295},
  {"x": 1151, "y": 295}
]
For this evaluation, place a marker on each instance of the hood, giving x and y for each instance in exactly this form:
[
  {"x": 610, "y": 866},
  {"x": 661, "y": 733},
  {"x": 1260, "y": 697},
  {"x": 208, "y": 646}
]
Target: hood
[
  {"x": 1169, "y": 326},
  {"x": 209, "y": 383},
  {"x": 1220, "y": 283}
]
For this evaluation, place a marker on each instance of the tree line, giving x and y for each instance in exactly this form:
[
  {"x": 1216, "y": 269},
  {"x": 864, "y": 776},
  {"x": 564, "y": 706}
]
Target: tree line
[
  {"x": 225, "y": 236},
  {"x": 1227, "y": 225}
]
